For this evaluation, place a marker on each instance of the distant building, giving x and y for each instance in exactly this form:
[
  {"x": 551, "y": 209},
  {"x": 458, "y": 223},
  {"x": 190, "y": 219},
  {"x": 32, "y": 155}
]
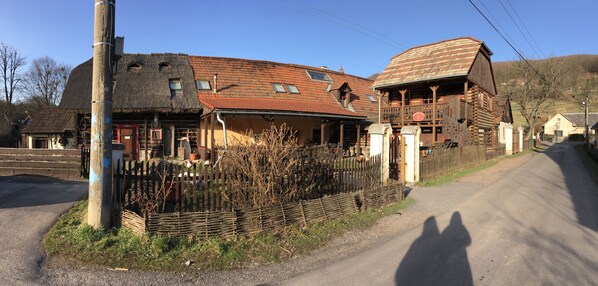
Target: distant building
[
  {"x": 564, "y": 124},
  {"x": 51, "y": 128}
]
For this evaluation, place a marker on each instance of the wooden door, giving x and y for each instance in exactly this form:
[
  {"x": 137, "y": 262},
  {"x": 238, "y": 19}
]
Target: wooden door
[{"x": 128, "y": 138}]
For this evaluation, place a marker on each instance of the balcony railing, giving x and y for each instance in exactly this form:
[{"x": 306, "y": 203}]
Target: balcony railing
[{"x": 393, "y": 114}]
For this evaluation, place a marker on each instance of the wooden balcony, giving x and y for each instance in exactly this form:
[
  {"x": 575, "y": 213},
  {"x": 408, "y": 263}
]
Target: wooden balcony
[{"x": 393, "y": 114}]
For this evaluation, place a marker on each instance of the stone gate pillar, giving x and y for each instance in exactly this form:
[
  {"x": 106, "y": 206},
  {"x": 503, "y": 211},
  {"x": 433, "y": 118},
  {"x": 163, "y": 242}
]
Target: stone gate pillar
[
  {"x": 380, "y": 145},
  {"x": 520, "y": 129},
  {"x": 410, "y": 155},
  {"x": 508, "y": 139}
]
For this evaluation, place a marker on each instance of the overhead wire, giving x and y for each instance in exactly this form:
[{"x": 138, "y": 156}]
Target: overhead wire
[
  {"x": 343, "y": 22},
  {"x": 498, "y": 23},
  {"x": 518, "y": 28},
  {"x": 514, "y": 49},
  {"x": 525, "y": 28}
]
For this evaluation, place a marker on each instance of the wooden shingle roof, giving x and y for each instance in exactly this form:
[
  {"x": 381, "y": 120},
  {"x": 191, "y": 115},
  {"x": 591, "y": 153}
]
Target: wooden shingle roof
[
  {"x": 247, "y": 85},
  {"x": 446, "y": 59}
]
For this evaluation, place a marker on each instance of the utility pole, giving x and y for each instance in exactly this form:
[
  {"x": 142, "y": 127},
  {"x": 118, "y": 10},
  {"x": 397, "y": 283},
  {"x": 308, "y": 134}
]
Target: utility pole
[
  {"x": 587, "y": 129},
  {"x": 100, "y": 175}
]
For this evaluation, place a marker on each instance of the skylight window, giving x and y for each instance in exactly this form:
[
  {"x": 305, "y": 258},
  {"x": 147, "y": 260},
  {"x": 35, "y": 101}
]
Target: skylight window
[
  {"x": 202, "y": 84},
  {"x": 278, "y": 87},
  {"x": 175, "y": 84},
  {"x": 314, "y": 75},
  {"x": 292, "y": 88},
  {"x": 372, "y": 98}
]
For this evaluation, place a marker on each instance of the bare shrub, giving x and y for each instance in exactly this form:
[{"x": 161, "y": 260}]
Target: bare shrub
[
  {"x": 271, "y": 170},
  {"x": 156, "y": 199}
]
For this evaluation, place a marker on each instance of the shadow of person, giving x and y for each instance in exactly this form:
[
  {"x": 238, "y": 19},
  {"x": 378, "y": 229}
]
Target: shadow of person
[
  {"x": 437, "y": 259},
  {"x": 416, "y": 266}
]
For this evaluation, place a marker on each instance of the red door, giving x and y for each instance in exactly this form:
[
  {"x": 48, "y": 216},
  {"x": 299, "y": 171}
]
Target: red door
[{"x": 129, "y": 139}]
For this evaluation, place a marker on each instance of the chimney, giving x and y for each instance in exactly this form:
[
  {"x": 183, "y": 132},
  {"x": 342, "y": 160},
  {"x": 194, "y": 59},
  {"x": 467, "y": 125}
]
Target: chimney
[
  {"x": 341, "y": 70},
  {"x": 215, "y": 90}
]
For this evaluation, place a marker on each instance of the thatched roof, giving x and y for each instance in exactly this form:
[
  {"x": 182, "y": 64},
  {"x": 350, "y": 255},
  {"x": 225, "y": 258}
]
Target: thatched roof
[
  {"x": 51, "y": 120},
  {"x": 142, "y": 85}
]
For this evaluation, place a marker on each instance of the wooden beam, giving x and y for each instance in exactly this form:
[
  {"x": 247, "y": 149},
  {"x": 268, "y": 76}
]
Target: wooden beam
[
  {"x": 205, "y": 138},
  {"x": 322, "y": 126},
  {"x": 403, "y": 92},
  {"x": 340, "y": 144},
  {"x": 213, "y": 140},
  {"x": 434, "y": 89},
  {"x": 358, "y": 151}
]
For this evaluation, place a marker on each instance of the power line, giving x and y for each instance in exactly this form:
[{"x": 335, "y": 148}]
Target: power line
[
  {"x": 362, "y": 29},
  {"x": 514, "y": 49},
  {"x": 518, "y": 28},
  {"x": 498, "y": 23},
  {"x": 525, "y": 27}
]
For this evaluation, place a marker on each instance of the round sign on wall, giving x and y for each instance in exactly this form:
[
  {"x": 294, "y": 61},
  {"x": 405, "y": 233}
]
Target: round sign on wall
[{"x": 419, "y": 116}]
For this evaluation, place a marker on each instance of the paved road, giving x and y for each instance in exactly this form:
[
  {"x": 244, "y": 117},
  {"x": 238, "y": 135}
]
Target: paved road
[
  {"x": 536, "y": 226},
  {"x": 28, "y": 208}
]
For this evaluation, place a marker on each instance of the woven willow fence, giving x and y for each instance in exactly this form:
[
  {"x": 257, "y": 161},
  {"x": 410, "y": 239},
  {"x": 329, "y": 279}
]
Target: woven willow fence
[
  {"x": 247, "y": 221},
  {"x": 442, "y": 162}
]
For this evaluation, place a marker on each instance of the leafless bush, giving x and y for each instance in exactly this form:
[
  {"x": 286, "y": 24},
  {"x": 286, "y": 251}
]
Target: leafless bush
[
  {"x": 270, "y": 170},
  {"x": 156, "y": 199}
]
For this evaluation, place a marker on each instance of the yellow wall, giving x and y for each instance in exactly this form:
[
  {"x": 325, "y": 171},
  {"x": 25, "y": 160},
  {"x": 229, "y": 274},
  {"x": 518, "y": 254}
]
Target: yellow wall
[{"x": 237, "y": 126}]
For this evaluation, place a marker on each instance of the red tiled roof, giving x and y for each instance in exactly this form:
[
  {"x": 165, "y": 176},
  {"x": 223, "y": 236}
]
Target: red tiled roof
[
  {"x": 247, "y": 85},
  {"x": 450, "y": 58}
]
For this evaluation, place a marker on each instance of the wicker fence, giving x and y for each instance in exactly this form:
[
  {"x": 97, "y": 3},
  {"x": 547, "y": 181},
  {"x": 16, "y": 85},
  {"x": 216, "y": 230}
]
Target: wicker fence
[
  {"x": 226, "y": 223},
  {"x": 193, "y": 199},
  {"x": 442, "y": 162}
]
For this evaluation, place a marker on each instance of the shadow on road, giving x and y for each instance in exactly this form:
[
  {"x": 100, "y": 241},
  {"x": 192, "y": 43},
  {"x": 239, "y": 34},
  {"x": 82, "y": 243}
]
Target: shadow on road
[
  {"x": 27, "y": 191},
  {"x": 437, "y": 258},
  {"x": 580, "y": 184}
]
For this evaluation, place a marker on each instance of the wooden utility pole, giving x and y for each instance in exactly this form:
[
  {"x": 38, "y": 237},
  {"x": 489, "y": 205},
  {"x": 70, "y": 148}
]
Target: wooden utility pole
[{"x": 100, "y": 174}]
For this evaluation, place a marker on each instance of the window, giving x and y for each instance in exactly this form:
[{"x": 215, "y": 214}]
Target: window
[
  {"x": 278, "y": 87},
  {"x": 134, "y": 67},
  {"x": 314, "y": 75},
  {"x": 175, "y": 84},
  {"x": 202, "y": 84},
  {"x": 164, "y": 67},
  {"x": 155, "y": 135},
  {"x": 372, "y": 98},
  {"x": 292, "y": 88}
]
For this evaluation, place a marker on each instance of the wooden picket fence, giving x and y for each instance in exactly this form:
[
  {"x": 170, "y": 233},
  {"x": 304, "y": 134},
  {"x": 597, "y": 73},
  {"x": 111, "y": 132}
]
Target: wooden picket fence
[
  {"x": 443, "y": 161},
  {"x": 166, "y": 187}
]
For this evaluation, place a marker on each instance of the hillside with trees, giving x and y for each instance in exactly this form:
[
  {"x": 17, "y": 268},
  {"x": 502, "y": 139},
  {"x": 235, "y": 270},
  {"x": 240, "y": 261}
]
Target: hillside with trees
[{"x": 556, "y": 84}]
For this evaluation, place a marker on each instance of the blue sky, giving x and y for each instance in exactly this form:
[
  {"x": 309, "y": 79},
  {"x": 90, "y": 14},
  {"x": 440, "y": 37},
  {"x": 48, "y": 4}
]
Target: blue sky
[{"x": 359, "y": 35}]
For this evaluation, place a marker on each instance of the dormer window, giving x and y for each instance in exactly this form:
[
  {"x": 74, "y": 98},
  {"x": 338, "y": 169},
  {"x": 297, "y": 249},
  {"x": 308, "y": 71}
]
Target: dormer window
[
  {"x": 175, "y": 84},
  {"x": 164, "y": 67},
  {"x": 292, "y": 88},
  {"x": 278, "y": 87},
  {"x": 319, "y": 76},
  {"x": 134, "y": 67},
  {"x": 203, "y": 85}
]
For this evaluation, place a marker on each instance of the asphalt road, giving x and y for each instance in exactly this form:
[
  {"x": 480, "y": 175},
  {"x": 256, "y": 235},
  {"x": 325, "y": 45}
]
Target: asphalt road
[
  {"x": 532, "y": 220},
  {"x": 28, "y": 207},
  {"x": 536, "y": 226}
]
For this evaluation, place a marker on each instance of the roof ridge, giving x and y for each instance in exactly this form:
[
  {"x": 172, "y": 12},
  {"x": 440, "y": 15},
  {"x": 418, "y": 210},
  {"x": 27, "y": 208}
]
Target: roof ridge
[{"x": 443, "y": 41}]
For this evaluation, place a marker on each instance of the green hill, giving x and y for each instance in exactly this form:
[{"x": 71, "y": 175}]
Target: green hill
[{"x": 580, "y": 69}]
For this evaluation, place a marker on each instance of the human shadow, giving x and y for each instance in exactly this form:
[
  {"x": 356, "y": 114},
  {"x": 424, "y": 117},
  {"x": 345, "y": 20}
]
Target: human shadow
[{"x": 437, "y": 258}]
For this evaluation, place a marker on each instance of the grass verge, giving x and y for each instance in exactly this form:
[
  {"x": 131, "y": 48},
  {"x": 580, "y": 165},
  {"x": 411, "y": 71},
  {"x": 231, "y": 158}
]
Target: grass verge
[
  {"x": 456, "y": 175},
  {"x": 71, "y": 237},
  {"x": 589, "y": 161}
]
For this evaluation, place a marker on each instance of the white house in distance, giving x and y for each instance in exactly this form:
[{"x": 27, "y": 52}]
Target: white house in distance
[{"x": 564, "y": 124}]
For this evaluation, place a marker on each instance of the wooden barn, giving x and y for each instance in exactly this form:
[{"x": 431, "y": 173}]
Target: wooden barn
[
  {"x": 446, "y": 88},
  {"x": 155, "y": 105}
]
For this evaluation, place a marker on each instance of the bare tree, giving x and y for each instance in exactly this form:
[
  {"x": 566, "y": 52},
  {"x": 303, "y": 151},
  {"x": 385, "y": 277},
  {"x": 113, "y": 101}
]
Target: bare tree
[
  {"x": 10, "y": 63},
  {"x": 45, "y": 81},
  {"x": 534, "y": 88}
]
